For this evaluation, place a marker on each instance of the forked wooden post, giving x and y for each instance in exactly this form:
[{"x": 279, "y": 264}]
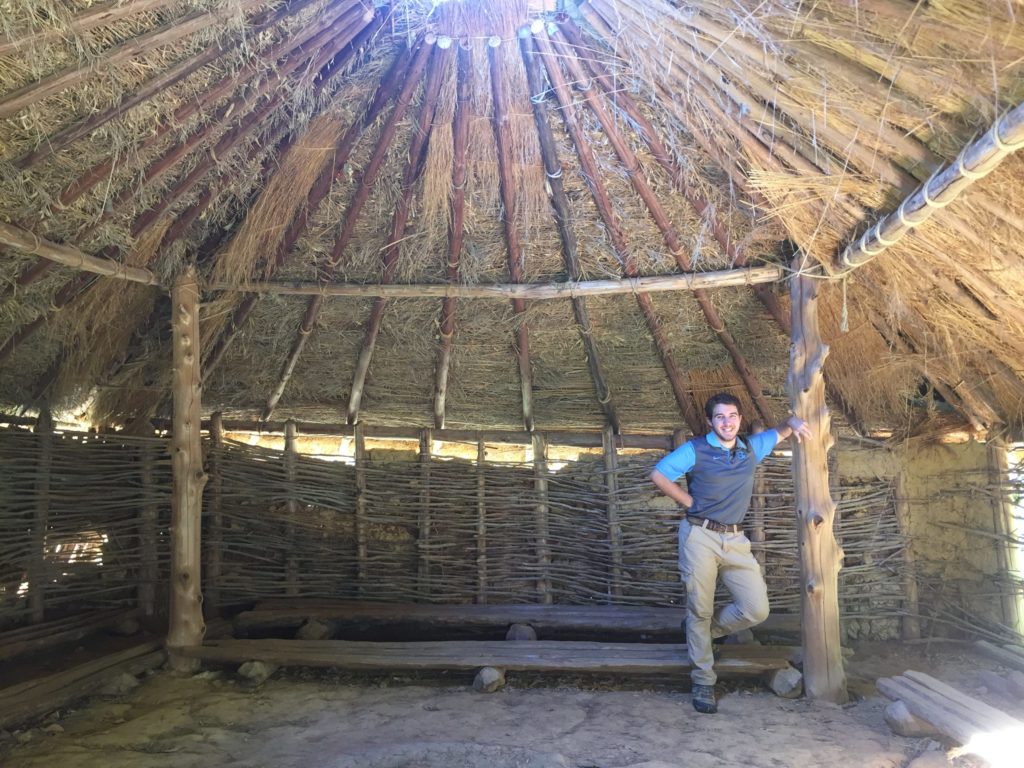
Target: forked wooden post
[
  {"x": 481, "y": 523},
  {"x": 611, "y": 468},
  {"x": 423, "y": 536},
  {"x": 148, "y": 570},
  {"x": 540, "y": 474},
  {"x": 360, "y": 521},
  {"x": 186, "y": 627},
  {"x": 40, "y": 519},
  {"x": 215, "y": 529},
  {"x": 820, "y": 554},
  {"x": 292, "y": 509}
]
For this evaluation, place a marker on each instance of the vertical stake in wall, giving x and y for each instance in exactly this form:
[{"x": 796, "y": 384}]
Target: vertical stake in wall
[
  {"x": 540, "y": 474},
  {"x": 215, "y": 527},
  {"x": 149, "y": 571},
  {"x": 186, "y": 627},
  {"x": 291, "y": 458},
  {"x": 481, "y": 523},
  {"x": 611, "y": 469},
  {"x": 37, "y": 570},
  {"x": 911, "y": 629},
  {"x": 360, "y": 521},
  {"x": 757, "y": 510},
  {"x": 820, "y": 554},
  {"x": 1004, "y": 526},
  {"x": 423, "y": 537}
]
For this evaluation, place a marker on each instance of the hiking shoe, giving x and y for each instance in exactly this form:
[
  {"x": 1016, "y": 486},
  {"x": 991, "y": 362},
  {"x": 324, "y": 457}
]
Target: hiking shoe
[{"x": 704, "y": 699}]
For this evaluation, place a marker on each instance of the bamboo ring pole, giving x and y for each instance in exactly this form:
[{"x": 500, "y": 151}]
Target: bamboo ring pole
[
  {"x": 611, "y": 469},
  {"x": 37, "y": 568},
  {"x": 481, "y": 523},
  {"x": 820, "y": 554},
  {"x": 541, "y": 520},
  {"x": 215, "y": 543},
  {"x": 424, "y": 522},
  {"x": 186, "y": 614},
  {"x": 361, "y": 504},
  {"x": 292, "y": 509}
]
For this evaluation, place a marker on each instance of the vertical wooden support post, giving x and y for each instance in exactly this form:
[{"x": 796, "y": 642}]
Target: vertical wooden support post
[
  {"x": 186, "y": 627},
  {"x": 1004, "y": 527},
  {"x": 481, "y": 523},
  {"x": 37, "y": 571},
  {"x": 820, "y": 554},
  {"x": 758, "y": 505},
  {"x": 215, "y": 527},
  {"x": 291, "y": 568},
  {"x": 423, "y": 528},
  {"x": 611, "y": 478},
  {"x": 679, "y": 437},
  {"x": 540, "y": 474},
  {"x": 360, "y": 521},
  {"x": 911, "y": 628},
  {"x": 149, "y": 571}
]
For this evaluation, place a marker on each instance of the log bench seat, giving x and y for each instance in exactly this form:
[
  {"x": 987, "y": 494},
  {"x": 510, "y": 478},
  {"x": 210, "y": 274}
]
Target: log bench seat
[
  {"x": 467, "y": 655},
  {"x": 652, "y": 622},
  {"x": 70, "y": 629}
]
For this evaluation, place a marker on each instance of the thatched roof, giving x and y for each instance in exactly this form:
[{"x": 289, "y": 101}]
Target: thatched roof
[{"x": 332, "y": 141}]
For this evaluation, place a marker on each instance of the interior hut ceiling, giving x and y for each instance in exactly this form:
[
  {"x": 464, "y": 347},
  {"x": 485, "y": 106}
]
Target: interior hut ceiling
[{"x": 502, "y": 141}]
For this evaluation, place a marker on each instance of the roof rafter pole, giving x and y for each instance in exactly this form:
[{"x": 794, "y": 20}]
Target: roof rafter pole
[
  {"x": 362, "y": 194},
  {"x": 175, "y": 30},
  {"x": 512, "y": 246},
  {"x": 65, "y": 296},
  {"x": 975, "y": 161},
  {"x": 155, "y": 85},
  {"x": 399, "y": 224},
  {"x": 456, "y": 230},
  {"x": 321, "y": 187},
  {"x": 629, "y": 160},
  {"x": 676, "y": 377},
  {"x": 225, "y": 86},
  {"x": 570, "y": 254}
]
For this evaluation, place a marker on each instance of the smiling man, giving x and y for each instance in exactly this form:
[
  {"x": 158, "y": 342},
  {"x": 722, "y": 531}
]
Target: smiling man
[{"x": 719, "y": 469}]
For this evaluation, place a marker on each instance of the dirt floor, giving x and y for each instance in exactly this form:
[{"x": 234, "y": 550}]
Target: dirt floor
[{"x": 318, "y": 719}]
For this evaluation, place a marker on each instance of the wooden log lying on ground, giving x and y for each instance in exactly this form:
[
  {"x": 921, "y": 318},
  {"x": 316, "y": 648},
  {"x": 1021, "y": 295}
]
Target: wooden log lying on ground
[
  {"x": 67, "y": 630},
  {"x": 37, "y": 697},
  {"x": 545, "y": 619},
  {"x": 1008, "y": 655},
  {"x": 470, "y": 655},
  {"x": 952, "y": 712}
]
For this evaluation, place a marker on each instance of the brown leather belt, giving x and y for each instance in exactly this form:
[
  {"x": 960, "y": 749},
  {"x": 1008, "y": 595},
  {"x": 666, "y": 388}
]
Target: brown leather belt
[{"x": 711, "y": 525}]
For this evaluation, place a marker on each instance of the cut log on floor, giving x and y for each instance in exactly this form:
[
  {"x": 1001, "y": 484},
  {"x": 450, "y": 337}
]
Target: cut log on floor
[
  {"x": 455, "y": 655},
  {"x": 656, "y": 623},
  {"x": 37, "y": 697},
  {"x": 1005, "y": 655},
  {"x": 954, "y": 713},
  {"x": 50, "y": 633}
]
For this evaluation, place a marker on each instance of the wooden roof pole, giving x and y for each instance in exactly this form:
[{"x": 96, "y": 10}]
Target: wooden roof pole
[
  {"x": 628, "y": 158},
  {"x": 321, "y": 187},
  {"x": 456, "y": 229},
  {"x": 355, "y": 208},
  {"x": 399, "y": 224},
  {"x": 175, "y": 30},
  {"x": 65, "y": 137},
  {"x": 513, "y": 249},
  {"x": 61, "y": 299},
  {"x": 591, "y": 173}
]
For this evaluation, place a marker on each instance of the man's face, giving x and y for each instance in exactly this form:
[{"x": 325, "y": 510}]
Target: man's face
[{"x": 725, "y": 423}]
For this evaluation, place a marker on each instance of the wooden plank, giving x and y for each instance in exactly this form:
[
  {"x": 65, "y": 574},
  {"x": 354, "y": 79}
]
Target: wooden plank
[
  {"x": 37, "y": 697},
  {"x": 1004, "y": 656},
  {"x": 544, "y": 618},
  {"x": 51, "y": 633},
  {"x": 539, "y": 656},
  {"x": 979, "y": 710}
]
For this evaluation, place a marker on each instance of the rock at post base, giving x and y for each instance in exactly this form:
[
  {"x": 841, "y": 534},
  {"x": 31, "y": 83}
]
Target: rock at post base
[
  {"x": 489, "y": 680},
  {"x": 314, "y": 630},
  {"x": 902, "y": 723},
  {"x": 787, "y": 683},
  {"x": 256, "y": 672},
  {"x": 120, "y": 685},
  {"x": 994, "y": 682},
  {"x": 521, "y": 632},
  {"x": 126, "y": 627}
]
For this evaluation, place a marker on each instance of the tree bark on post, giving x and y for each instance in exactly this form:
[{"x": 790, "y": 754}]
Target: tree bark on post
[
  {"x": 215, "y": 529},
  {"x": 540, "y": 474},
  {"x": 37, "y": 578},
  {"x": 481, "y": 523},
  {"x": 820, "y": 554},
  {"x": 291, "y": 568},
  {"x": 148, "y": 569},
  {"x": 423, "y": 528},
  {"x": 611, "y": 467},
  {"x": 186, "y": 627}
]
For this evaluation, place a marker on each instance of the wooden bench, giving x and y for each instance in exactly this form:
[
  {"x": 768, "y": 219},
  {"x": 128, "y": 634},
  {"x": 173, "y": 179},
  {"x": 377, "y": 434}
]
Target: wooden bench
[
  {"x": 47, "y": 634},
  {"x": 654, "y": 623}
]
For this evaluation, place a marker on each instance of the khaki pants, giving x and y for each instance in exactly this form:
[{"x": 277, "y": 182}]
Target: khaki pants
[{"x": 703, "y": 556}]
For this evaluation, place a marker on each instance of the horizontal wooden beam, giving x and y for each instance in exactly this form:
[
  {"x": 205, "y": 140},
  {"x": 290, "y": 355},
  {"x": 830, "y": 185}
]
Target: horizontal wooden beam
[
  {"x": 26, "y": 241},
  {"x": 653, "y": 284}
]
